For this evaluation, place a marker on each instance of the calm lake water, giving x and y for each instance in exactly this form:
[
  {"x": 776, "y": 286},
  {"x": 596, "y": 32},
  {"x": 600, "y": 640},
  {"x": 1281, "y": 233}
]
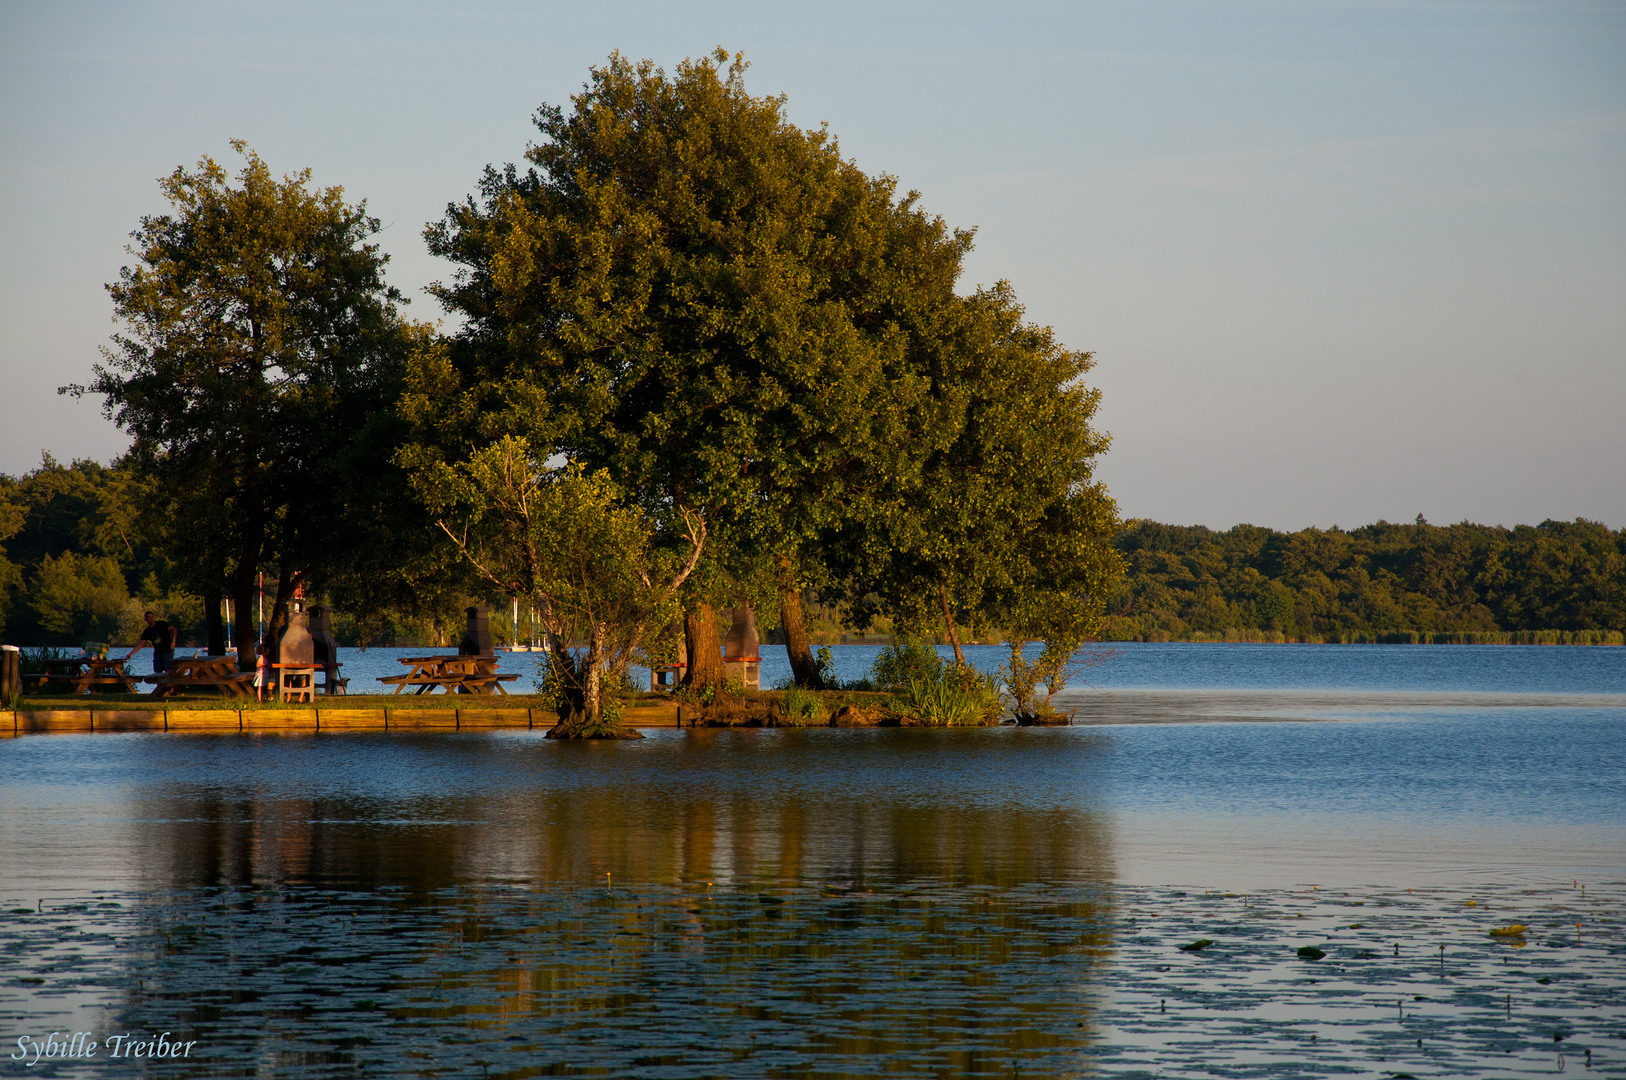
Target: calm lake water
[
  {"x": 1506, "y": 668},
  {"x": 887, "y": 902}
]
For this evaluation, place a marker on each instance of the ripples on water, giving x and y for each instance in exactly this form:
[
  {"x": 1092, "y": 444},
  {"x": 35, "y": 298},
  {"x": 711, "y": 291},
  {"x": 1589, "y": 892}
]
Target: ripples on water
[{"x": 934, "y": 979}]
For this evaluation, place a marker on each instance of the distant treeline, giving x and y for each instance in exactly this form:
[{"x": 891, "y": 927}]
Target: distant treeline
[
  {"x": 1560, "y": 582},
  {"x": 79, "y": 562},
  {"x": 82, "y": 556}
]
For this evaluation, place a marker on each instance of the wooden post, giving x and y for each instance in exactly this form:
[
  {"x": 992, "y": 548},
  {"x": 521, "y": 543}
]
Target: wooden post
[{"x": 11, "y": 675}]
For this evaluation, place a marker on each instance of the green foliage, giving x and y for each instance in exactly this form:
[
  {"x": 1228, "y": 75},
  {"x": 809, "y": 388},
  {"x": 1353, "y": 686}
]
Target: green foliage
[
  {"x": 1059, "y": 662},
  {"x": 570, "y": 542},
  {"x": 672, "y": 285},
  {"x": 11, "y": 522},
  {"x": 1004, "y": 517},
  {"x": 906, "y": 661},
  {"x": 34, "y": 661},
  {"x": 1368, "y": 583},
  {"x": 702, "y": 695},
  {"x": 549, "y": 687},
  {"x": 803, "y": 708},
  {"x": 958, "y": 696},
  {"x": 80, "y": 597},
  {"x": 827, "y": 667},
  {"x": 258, "y": 340},
  {"x": 1021, "y": 679}
]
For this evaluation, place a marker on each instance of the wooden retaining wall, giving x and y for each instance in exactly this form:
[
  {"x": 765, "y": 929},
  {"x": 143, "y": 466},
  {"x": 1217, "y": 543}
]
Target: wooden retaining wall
[{"x": 294, "y": 721}]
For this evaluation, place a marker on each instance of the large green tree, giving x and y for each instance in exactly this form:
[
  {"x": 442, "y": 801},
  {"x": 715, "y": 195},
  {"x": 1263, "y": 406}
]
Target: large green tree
[
  {"x": 690, "y": 292},
  {"x": 258, "y": 338}
]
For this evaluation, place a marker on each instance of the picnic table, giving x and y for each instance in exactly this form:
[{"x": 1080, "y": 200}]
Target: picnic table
[
  {"x": 203, "y": 672},
  {"x": 84, "y": 673},
  {"x": 453, "y": 674}
]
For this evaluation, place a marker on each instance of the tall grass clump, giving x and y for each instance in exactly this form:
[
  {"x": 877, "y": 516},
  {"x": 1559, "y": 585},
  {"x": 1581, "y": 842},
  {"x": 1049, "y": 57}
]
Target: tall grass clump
[
  {"x": 34, "y": 661},
  {"x": 802, "y": 708},
  {"x": 953, "y": 696}
]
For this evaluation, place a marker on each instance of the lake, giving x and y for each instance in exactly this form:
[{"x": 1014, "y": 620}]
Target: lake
[
  {"x": 1520, "y": 669},
  {"x": 882, "y": 902}
]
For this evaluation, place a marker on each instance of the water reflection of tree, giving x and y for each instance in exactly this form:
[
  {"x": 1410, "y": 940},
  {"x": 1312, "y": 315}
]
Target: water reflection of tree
[
  {"x": 581, "y": 836},
  {"x": 836, "y": 926}
]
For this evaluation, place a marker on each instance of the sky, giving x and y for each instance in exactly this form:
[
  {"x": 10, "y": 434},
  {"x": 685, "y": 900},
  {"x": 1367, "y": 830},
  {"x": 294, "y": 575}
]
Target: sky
[{"x": 1337, "y": 262}]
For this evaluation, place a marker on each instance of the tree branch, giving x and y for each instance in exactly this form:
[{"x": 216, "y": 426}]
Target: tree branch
[{"x": 467, "y": 554}]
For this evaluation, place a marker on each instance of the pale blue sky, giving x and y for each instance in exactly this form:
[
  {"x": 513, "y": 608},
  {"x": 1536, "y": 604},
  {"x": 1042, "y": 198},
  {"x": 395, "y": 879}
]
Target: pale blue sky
[{"x": 1337, "y": 261}]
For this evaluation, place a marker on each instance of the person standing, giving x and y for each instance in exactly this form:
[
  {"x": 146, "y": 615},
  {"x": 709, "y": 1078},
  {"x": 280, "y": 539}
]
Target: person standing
[
  {"x": 161, "y": 636},
  {"x": 262, "y": 670}
]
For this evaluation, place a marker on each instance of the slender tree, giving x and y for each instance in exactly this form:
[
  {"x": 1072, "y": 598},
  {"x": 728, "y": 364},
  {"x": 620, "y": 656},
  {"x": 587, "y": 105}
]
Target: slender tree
[
  {"x": 571, "y": 543},
  {"x": 257, "y": 330}
]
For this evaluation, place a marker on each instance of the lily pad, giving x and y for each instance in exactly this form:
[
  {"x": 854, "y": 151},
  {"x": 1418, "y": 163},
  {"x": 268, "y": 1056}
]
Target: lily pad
[
  {"x": 1195, "y": 946},
  {"x": 1310, "y": 952}
]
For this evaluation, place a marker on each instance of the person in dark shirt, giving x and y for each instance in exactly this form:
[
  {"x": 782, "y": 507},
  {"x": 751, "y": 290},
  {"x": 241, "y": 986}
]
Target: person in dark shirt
[{"x": 161, "y": 636}]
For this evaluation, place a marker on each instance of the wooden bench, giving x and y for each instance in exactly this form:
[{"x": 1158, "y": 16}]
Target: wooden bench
[
  {"x": 425, "y": 682},
  {"x": 454, "y": 674},
  {"x": 82, "y": 676},
  {"x": 203, "y": 673},
  {"x": 485, "y": 684}
]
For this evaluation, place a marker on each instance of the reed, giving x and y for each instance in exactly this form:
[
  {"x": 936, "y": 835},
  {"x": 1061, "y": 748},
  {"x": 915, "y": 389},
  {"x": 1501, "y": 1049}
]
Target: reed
[{"x": 956, "y": 697}]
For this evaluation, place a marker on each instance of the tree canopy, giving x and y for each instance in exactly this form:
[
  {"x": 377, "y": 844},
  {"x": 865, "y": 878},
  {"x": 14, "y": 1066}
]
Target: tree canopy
[
  {"x": 258, "y": 339},
  {"x": 571, "y": 543},
  {"x": 1455, "y": 582},
  {"x": 689, "y": 292}
]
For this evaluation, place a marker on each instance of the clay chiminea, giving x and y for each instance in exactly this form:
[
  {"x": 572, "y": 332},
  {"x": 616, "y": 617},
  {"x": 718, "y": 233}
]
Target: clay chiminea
[
  {"x": 477, "y": 635},
  {"x": 294, "y": 644}
]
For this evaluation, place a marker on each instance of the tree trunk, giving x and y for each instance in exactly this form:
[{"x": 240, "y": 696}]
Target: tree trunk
[
  {"x": 245, "y": 588},
  {"x": 793, "y": 620},
  {"x": 279, "y": 612},
  {"x": 705, "y": 650},
  {"x": 948, "y": 621},
  {"x": 572, "y": 705},
  {"x": 594, "y": 678},
  {"x": 581, "y": 689},
  {"x": 245, "y": 624},
  {"x": 213, "y": 621}
]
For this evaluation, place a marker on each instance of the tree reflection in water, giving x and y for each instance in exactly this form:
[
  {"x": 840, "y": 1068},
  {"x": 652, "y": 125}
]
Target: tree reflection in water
[{"x": 720, "y": 905}]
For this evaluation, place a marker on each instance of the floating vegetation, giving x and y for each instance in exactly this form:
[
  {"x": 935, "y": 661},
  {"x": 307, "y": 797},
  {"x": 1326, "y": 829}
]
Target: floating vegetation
[
  {"x": 922, "y": 978},
  {"x": 1385, "y": 998}
]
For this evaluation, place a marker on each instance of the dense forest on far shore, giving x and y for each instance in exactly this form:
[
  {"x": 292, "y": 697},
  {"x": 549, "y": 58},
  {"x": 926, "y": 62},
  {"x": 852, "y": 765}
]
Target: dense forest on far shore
[
  {"x": 1560, "y": 582},
  {"x": 77, "y": 563}
]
